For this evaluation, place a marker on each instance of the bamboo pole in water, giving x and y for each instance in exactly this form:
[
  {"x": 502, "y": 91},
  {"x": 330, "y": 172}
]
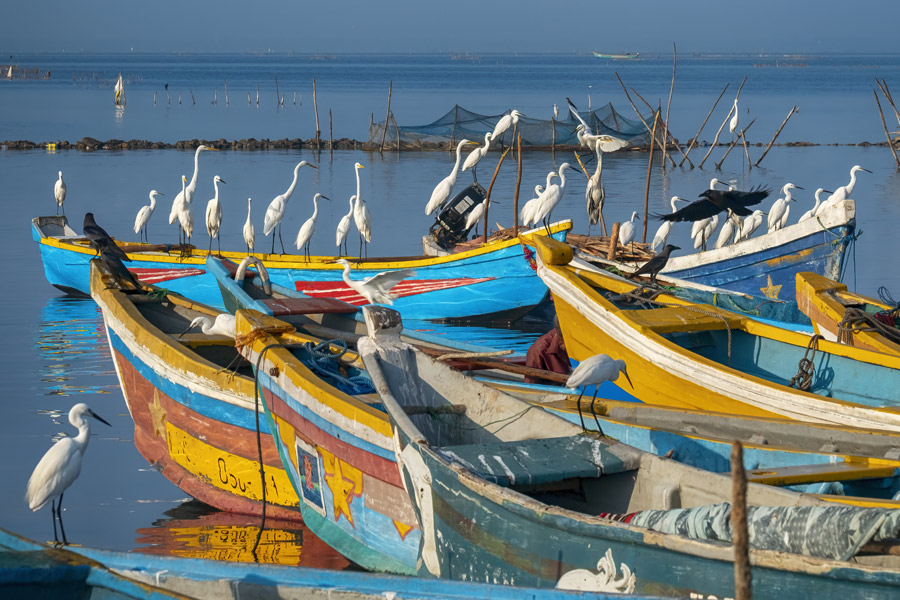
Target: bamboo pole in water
[
  {"x": 887, "y": 94},
  {"x": 316, "y": 110},
  {"x": 668, "y": 139},
  {"x": 387, "y": 117},
  {"x": 722, "y": 126},
  {"x": 628, "y": 96},
  {"x": 733, "y": 143},
  {"x": 743, "y": 577},
  {"x": 708, "y": 115},
  {"x": 886, "y": 132},
  {"x": 766, "y": 151},
  {"x": 668, "y": 107},
  {"x": 487, "y": 200},
  {"x": 647, "y": 186}
]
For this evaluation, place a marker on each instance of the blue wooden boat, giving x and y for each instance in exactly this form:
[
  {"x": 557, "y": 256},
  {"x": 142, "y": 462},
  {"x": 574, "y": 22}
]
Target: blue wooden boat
[
  {"x": 493, "y": 280},
  {"x": 32, "y": 570},
  {"x": 768, "y": 264},
  {"x": 506, "y": 492}
]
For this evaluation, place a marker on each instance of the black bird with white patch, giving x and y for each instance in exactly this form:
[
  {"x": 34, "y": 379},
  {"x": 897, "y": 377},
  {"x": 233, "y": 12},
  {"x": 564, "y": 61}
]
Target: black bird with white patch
[{"x": 716, "y": 201}]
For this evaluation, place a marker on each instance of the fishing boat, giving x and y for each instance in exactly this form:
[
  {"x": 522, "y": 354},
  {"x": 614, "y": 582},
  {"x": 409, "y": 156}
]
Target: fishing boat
[
  {"x": 493, "y": 280},
  {"x": 195, "y": 419},
  {"x": 699, "y": 356},
  {"x": 849, "y": 318},
  {"x": 626, "y": 55},
  {"x": 504, "y": 492},
  {"x": 768, "y": 264},
  {"x": 33, "y": 570}
]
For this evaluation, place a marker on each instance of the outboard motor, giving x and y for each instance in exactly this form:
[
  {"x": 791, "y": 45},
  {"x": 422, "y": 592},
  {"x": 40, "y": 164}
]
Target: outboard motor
[{"x": 449, "y": 227}]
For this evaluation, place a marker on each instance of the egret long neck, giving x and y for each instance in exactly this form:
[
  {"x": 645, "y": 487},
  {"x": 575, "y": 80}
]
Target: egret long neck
[
  {"x": 458, "y": 156},
  {"x": 358, "y": 193},
  {"x": 84, "y": 435},
  {"x": 152, "y": 203},
  {"x": 852, "y": 183},
  {"x": 315, "y": 207},
  {"x": 193, "y": 184},
  {"x": 290, "y": 190}
]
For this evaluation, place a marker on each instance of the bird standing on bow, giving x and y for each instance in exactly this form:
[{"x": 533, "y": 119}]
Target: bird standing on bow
[
  {"x": 442, "y": 190},
  {"x": 656, "y": 264},
  {"x": 553, "y": 194},
  {"x": 60, "y": 466},
  {"x": 309, "y": 227},
  {"x": 249, "y": 231},
  {"x": 362, "y": 218},
  {"x": 186, "y": 216},
  {"x": 186, "y": 195},
  {"x": 214, "y": 215},
  {"x": 59, "y": 192},
  {"x": 778, "y": 214},
  {"x": 278, "y": 205},
  {"x": 715, "y": 201},
  {"x": 376, "y": 289},
  {"x": 843, "y": 192},
  {"x": 531, "y": 207},
  {"x": 749, "y": 225},
  {"x": 730, "y": 228},
  {"x": 662, "y": 234},
  {"x": 343, "y": 228},
  {"x": 143, "y": 217},
  {"x": 99, "y": 239},
  {"x": 594, "y": 371},
  {"x": 476, "y": 155},
  {"x": 812, "y": 212}
]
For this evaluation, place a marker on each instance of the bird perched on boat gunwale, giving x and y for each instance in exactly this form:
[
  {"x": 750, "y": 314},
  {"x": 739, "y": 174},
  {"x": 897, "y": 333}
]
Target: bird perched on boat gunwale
[
  {"x": 99, "y": 239},
  {"x": 715, "y": 201},
  {"x": 656, "y": 264}
]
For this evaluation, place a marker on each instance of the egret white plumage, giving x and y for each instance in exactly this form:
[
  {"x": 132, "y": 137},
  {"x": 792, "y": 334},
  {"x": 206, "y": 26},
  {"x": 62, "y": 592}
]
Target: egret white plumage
[
  {"x": 812, "y": 212},
  {"x": 555, "y": 111},
  {"x": 729, "y": 227},
  {"x": 278, "y": 205},
  {"x": 698, "y": 226},
  {"x": 843, "y": 192},
  {"x": 249, "y": 231},
  {"x": 186, "y": 196},
  {"x": 362, "y": 218},
  {"x": 662, "y": 234},
  {"x": 705, "y": 233},
  {"x": 553, "y": 194},
  {"x": 476, "y": 214},
  {"x": 442, "y": 190},
  {"x": 626, "y": 230},
  {"x": 476, "y": 155},
  {"x": 60, "y": 467},
  {"x": 59, "y": 192},
  {"x": 594, "y": 194},
  {"x": 732, "y": 125},
  {"x": 527, "y": 212},
  {"x": 596, "y": 370},
  {"x": 144, "y": 214},
  {"x": 505, "y": 122},
  {"x": 214, "y": 215},
  {"x": 607, "y": 143},
  {"x": 376, "y": 289},
  {"x": 750, "y": 225},
  {"x": 224, "y": 324},
  {"x": 343, "y": 227},
  {"x": 309, "y": 227},
  {"x": 778, "y": 214}
]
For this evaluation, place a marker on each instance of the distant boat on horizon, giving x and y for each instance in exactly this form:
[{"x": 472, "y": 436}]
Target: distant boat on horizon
[{"x": 617, "y": 56}]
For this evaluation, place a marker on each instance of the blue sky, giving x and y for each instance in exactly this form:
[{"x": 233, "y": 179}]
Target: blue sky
[{"x": 460, "y": 25}]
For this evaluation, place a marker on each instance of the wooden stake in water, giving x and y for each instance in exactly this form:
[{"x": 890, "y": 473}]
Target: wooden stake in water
[
  {"x": 886, "y": 132},
  {"x": 722, "y": 126},
  {"x": 783, "y": 123},
  {"x": 518, "y": 184},
  {"x": 697, "y": 136},
  {"x": 387, "y": 117},
  {"x": 330, "y": 135},
  {"x": 316, "y": 110},
  {"x": 733, "y": 142},
  {"x": 487, "y": 200},
  {"x": 647, "y": 186},
  {"x": 743, "y": 578}
]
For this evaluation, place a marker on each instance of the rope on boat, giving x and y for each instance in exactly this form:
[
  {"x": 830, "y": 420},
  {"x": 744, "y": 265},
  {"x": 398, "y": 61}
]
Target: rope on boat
[
  {"x": 324, "y": 363},
  {"x": 806, "y": 368},
  {"x": 857, "y": 320}
]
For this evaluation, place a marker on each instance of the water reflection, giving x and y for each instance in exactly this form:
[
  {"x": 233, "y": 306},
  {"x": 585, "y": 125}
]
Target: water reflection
[
  {"x": 74, "y": 354},
  {"x": 195, "y": 530}
]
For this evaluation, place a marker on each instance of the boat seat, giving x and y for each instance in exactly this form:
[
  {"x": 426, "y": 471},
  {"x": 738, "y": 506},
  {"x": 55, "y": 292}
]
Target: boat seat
[
  {"x": 306, "y": 306},
  {"x": 204, "y": 339},
  {"x": 232, "y": 268},
  {"x": 817, "y": 473},
  {"x": 538, "y": 461},
  {"x": 673, "y": 319}
]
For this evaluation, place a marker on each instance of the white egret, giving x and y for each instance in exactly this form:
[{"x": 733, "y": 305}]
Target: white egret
[
  {"x": 143, "y": 215},
  {"x": 626, "y": 230},
  {"x": 778, "y": 214},
  {"x": 275, "y": 211},
  {"x": 59, "y": 192},
  {"x": 60, "y": 466},
  {"x": 812, "y": 212},
  {"x": 698, "y": 227},
  {"x": 249, "y": 231},
  {"x": 186, "y": 195},
  {"x": 475, "y": 215},
  {"x": 596, "y": 370},
  {"x": 750, "y": 225},
  {"x": 594, "y": 194},
  {"x": 442, "y": 190},
  {"x": 505, "y": 122},
  {"x": 362, "y": 218},
  {"x": 662, "y": 234},
  {"x": 224, "y": 324},
  {"x": 732, "y": 125},
  {"x": 843, "y": 192},
  {"x": 376, "y": 289},
  {"x": 186, "y": 215},
  {"x": 555, "y": 111},
  {"x": 607, "y": 143},
  {"x": 553, "y": 194},
  {"x": 476, "y": 155},
  {"x": 528, "y": 209},
  {"x": 214, "y": 215},
  {"x": 343, "y": 227},
  {"x": 309, "y": 227},
  {"x": 705, "y": 233},
  {"x": 731, "y": 225}
]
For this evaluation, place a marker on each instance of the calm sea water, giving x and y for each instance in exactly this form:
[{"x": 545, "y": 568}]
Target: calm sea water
[{"x": 56, "y": 352}]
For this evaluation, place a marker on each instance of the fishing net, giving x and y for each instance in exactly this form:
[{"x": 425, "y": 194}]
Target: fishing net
[{"x": 460, "y": 123}]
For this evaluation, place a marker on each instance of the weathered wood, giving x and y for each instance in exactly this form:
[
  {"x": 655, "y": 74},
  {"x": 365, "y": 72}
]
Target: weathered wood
[
  {"x": 742, "y": 575},
  {"x": 640, "y": 116},
  {"x": 708, "y": 115},
  {"x": 316, "y": 110},
  {"x": 666, "y": 121},
  {"x": 887, "y": 94},
  {"x": 733, "y": 143},
  {"x": 387, "y": 117},
  {"x": 647, "y": 185},
  {"x": 518, "y": 185},
  {"x": 330, "y": 134},
  {"x": 886, "y": 132},
  {"x": 613, "y": 241},
  {"x": 665, "y": 140},
  {"x": 766, "y": 151},
  {"x": 746, "y": 152},
  {"x": 487, "y": 199},
  {"x": 722, "y": 126}
]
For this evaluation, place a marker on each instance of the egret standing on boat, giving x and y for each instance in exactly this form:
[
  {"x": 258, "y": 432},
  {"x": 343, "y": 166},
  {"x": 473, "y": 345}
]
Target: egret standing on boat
[
  {"x": 442, "y": 190},
  {"x": 552, "y": 196},
  {"x": 60, "y": 467},
  {"x": 812, "y": 212},
  {"x": 59, "y": 192},
  {"x": 778, "y": 214},
  {"x": 249, "y": 231},
  {"x": 214, "y": 215},
  {"x": 309, "y": 227},
  {"x": 594, "y": 371},
  {"x": 143, "y": 216},
  {"x": 750, "y": 225},
  {"x": 662, "y": 234},
  {"x": 730, "y": 228},
  {"x": 343, "y": 227},
  {"x": 186, "y": 216},
  {"x": 362, "y": 218},
  {"x": 376, "y": 288},
  {"x": 275, "y": 211},
  {"x": 530, "y": 209},
  {"x": 843, "y": 192},
  {"x": 186, "y": 195},
  {"x": 476, "y": 155},
  {"x": 626, "y": 231}
]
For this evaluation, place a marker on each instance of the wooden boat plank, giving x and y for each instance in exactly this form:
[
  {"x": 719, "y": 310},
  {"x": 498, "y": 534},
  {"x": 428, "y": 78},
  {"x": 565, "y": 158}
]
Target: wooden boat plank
[
  {"x": 305, "y": 306},
  {"x": 671, "y": 319},
  {"x": 801, "y": 474}
]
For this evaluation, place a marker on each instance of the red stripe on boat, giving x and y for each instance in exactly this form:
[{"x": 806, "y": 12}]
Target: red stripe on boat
[
  {"x": 412, "y": 287},
  {"x": 154, "y": 276}
]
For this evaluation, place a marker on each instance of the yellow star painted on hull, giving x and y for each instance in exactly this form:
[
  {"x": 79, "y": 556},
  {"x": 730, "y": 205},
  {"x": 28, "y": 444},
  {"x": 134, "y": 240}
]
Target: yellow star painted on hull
[
  {"x": 158, "y": 414},
  {"x": 344, "y": 481},
  {"x": 771, "y": 291}
]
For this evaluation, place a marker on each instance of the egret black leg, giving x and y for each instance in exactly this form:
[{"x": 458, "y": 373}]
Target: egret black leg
[
  {"x": 594, "y": 414},
  {"x": 53, "y": 517},
  {"x": 580, "y": 414},
  {"x": 59, "y": 516},
  {"x": 280, "y": 240},
  {"x": 273, "y": 242},
  {"x": 210, "y": 246},
  {"x": 219, "y": 244},
  {"x": 474, "y": 177}
]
